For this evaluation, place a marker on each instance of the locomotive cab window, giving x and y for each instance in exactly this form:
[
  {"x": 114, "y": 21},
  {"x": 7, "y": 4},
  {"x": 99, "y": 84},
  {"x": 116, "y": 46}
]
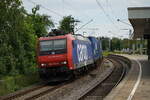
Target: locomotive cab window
[
  {"x": 57, "y": 46},
  {"x": 60, "y": 44},
  {"x": 46, "y": 45}
]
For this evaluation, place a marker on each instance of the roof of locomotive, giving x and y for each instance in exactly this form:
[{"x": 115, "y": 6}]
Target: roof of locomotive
[
  {"x": 74, "y": 37},
  {"x": 55, "y": 37},
  {"x": 80, "y": 37}
]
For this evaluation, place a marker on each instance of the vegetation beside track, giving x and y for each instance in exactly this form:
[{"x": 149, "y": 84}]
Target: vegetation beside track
[
  {"x": 106, "y": 53},
  {"x": 11, "y": 84}
]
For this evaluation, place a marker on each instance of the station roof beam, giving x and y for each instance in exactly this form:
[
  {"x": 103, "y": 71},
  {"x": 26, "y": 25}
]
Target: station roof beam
[{"x": 140, "y": 20}]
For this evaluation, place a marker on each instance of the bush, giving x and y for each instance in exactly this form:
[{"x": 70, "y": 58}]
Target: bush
[{"x": 11, "y": 84}]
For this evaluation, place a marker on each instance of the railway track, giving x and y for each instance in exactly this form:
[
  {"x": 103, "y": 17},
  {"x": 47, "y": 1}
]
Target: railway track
[
  {"x": 33, "y": 92},
  {"x": 97, "y": 88},
  {"x": 43, "y": 92},
  {"x": 101, "y": 90},
  {"x": 22, "y": 92}
]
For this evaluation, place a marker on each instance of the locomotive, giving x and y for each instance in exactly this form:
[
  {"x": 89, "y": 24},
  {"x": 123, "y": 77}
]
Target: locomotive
[{"x": 60, "y": 57}]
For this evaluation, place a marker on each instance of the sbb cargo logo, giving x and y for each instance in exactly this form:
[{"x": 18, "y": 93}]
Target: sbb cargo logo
[{"x": 82, "y": 52}]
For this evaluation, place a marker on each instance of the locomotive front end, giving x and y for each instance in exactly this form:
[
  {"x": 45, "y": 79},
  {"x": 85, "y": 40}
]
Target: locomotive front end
[
  {"x": 52, "y": 53},
  {"x": 53, "y": 57}
]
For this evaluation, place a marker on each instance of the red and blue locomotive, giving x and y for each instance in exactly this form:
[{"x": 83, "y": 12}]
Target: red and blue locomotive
[{"x": 62, "y": 56}]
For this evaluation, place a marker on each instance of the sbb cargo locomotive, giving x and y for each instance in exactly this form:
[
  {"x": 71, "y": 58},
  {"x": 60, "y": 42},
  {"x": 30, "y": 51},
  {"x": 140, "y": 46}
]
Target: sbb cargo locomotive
[{"x": 62, "y": 56}]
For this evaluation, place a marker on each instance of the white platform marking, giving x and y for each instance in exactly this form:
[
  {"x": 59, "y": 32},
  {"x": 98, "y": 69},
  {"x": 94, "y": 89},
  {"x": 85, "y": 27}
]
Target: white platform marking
[{"x": 137, "y": 82}]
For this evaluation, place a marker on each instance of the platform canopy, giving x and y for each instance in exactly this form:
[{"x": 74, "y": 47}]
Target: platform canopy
[{"x": 140, "y": 20}]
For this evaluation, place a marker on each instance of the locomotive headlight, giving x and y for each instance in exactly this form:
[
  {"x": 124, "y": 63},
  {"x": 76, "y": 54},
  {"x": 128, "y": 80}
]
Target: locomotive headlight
[
  {"x": 64, "y": 62},
  {"x": 43, "y": 64}
]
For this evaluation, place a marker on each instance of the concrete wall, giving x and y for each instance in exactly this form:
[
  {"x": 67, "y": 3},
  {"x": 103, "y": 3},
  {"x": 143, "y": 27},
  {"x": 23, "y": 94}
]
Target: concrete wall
[{"x": 137, "y": 13}]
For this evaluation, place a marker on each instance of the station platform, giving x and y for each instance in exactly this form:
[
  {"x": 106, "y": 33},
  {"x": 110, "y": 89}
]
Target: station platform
[{"x": 136, "y": 84}]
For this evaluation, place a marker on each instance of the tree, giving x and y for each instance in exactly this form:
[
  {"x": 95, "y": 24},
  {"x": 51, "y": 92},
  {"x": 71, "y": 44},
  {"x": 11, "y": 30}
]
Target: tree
[
  {"x": 105, "y": 43},
  {"x": 125, "y": 43},
  {"x": 10, "y": 35},
  {"x": 67, "y": 24},
  {"x": 18, "y": 33},
  {"x": 41, "y": 23},
  {"x": 116, "y": 44}
]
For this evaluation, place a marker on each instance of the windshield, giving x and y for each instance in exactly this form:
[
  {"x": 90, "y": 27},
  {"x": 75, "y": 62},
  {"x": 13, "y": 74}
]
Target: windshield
[
  {"x": 48, "y": 46},
  {"x": 59, "y": 44}
]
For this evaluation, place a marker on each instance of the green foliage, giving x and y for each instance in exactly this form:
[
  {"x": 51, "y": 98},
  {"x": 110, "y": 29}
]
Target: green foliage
[
  {"x": 11, "y": 84},
  {"x": 105, "y": 43},
  {"x": 18, "y": 33},
  {"x": 67, "y": 24},
  {"x": 10, "y": 32},
  {"x": 115, "y": 44},
  {"x": 106, "y": 53},
  {"x": 41, "y": 23}
]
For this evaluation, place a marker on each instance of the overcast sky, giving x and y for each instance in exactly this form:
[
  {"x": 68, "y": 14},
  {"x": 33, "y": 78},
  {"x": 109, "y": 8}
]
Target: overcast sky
[{"x": 104, "y": 14}]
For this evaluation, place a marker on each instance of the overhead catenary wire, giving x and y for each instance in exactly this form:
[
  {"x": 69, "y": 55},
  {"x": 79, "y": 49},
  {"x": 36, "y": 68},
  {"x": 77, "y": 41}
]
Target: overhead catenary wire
[
  {"x": 113, "y": 13},
  {"x": 84, "y": 25},
  {"x": 75, "y": 9},
  {"x": 48, "y": 9},
  {"x": 110, "y": 7},
  {"x": 107, "y": 15},
  {"x": 69, "y": 5}
]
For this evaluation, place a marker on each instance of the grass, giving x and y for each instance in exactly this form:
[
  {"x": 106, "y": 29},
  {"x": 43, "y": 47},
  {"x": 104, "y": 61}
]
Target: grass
[
  {"x": 11, "y": 84},
  {"x": 106, "y": 53}
]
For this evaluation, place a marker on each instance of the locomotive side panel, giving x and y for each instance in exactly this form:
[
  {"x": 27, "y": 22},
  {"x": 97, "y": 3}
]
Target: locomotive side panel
[
  {"x": 96, "y": 46},
  {"x": 82, "y": 53}
]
